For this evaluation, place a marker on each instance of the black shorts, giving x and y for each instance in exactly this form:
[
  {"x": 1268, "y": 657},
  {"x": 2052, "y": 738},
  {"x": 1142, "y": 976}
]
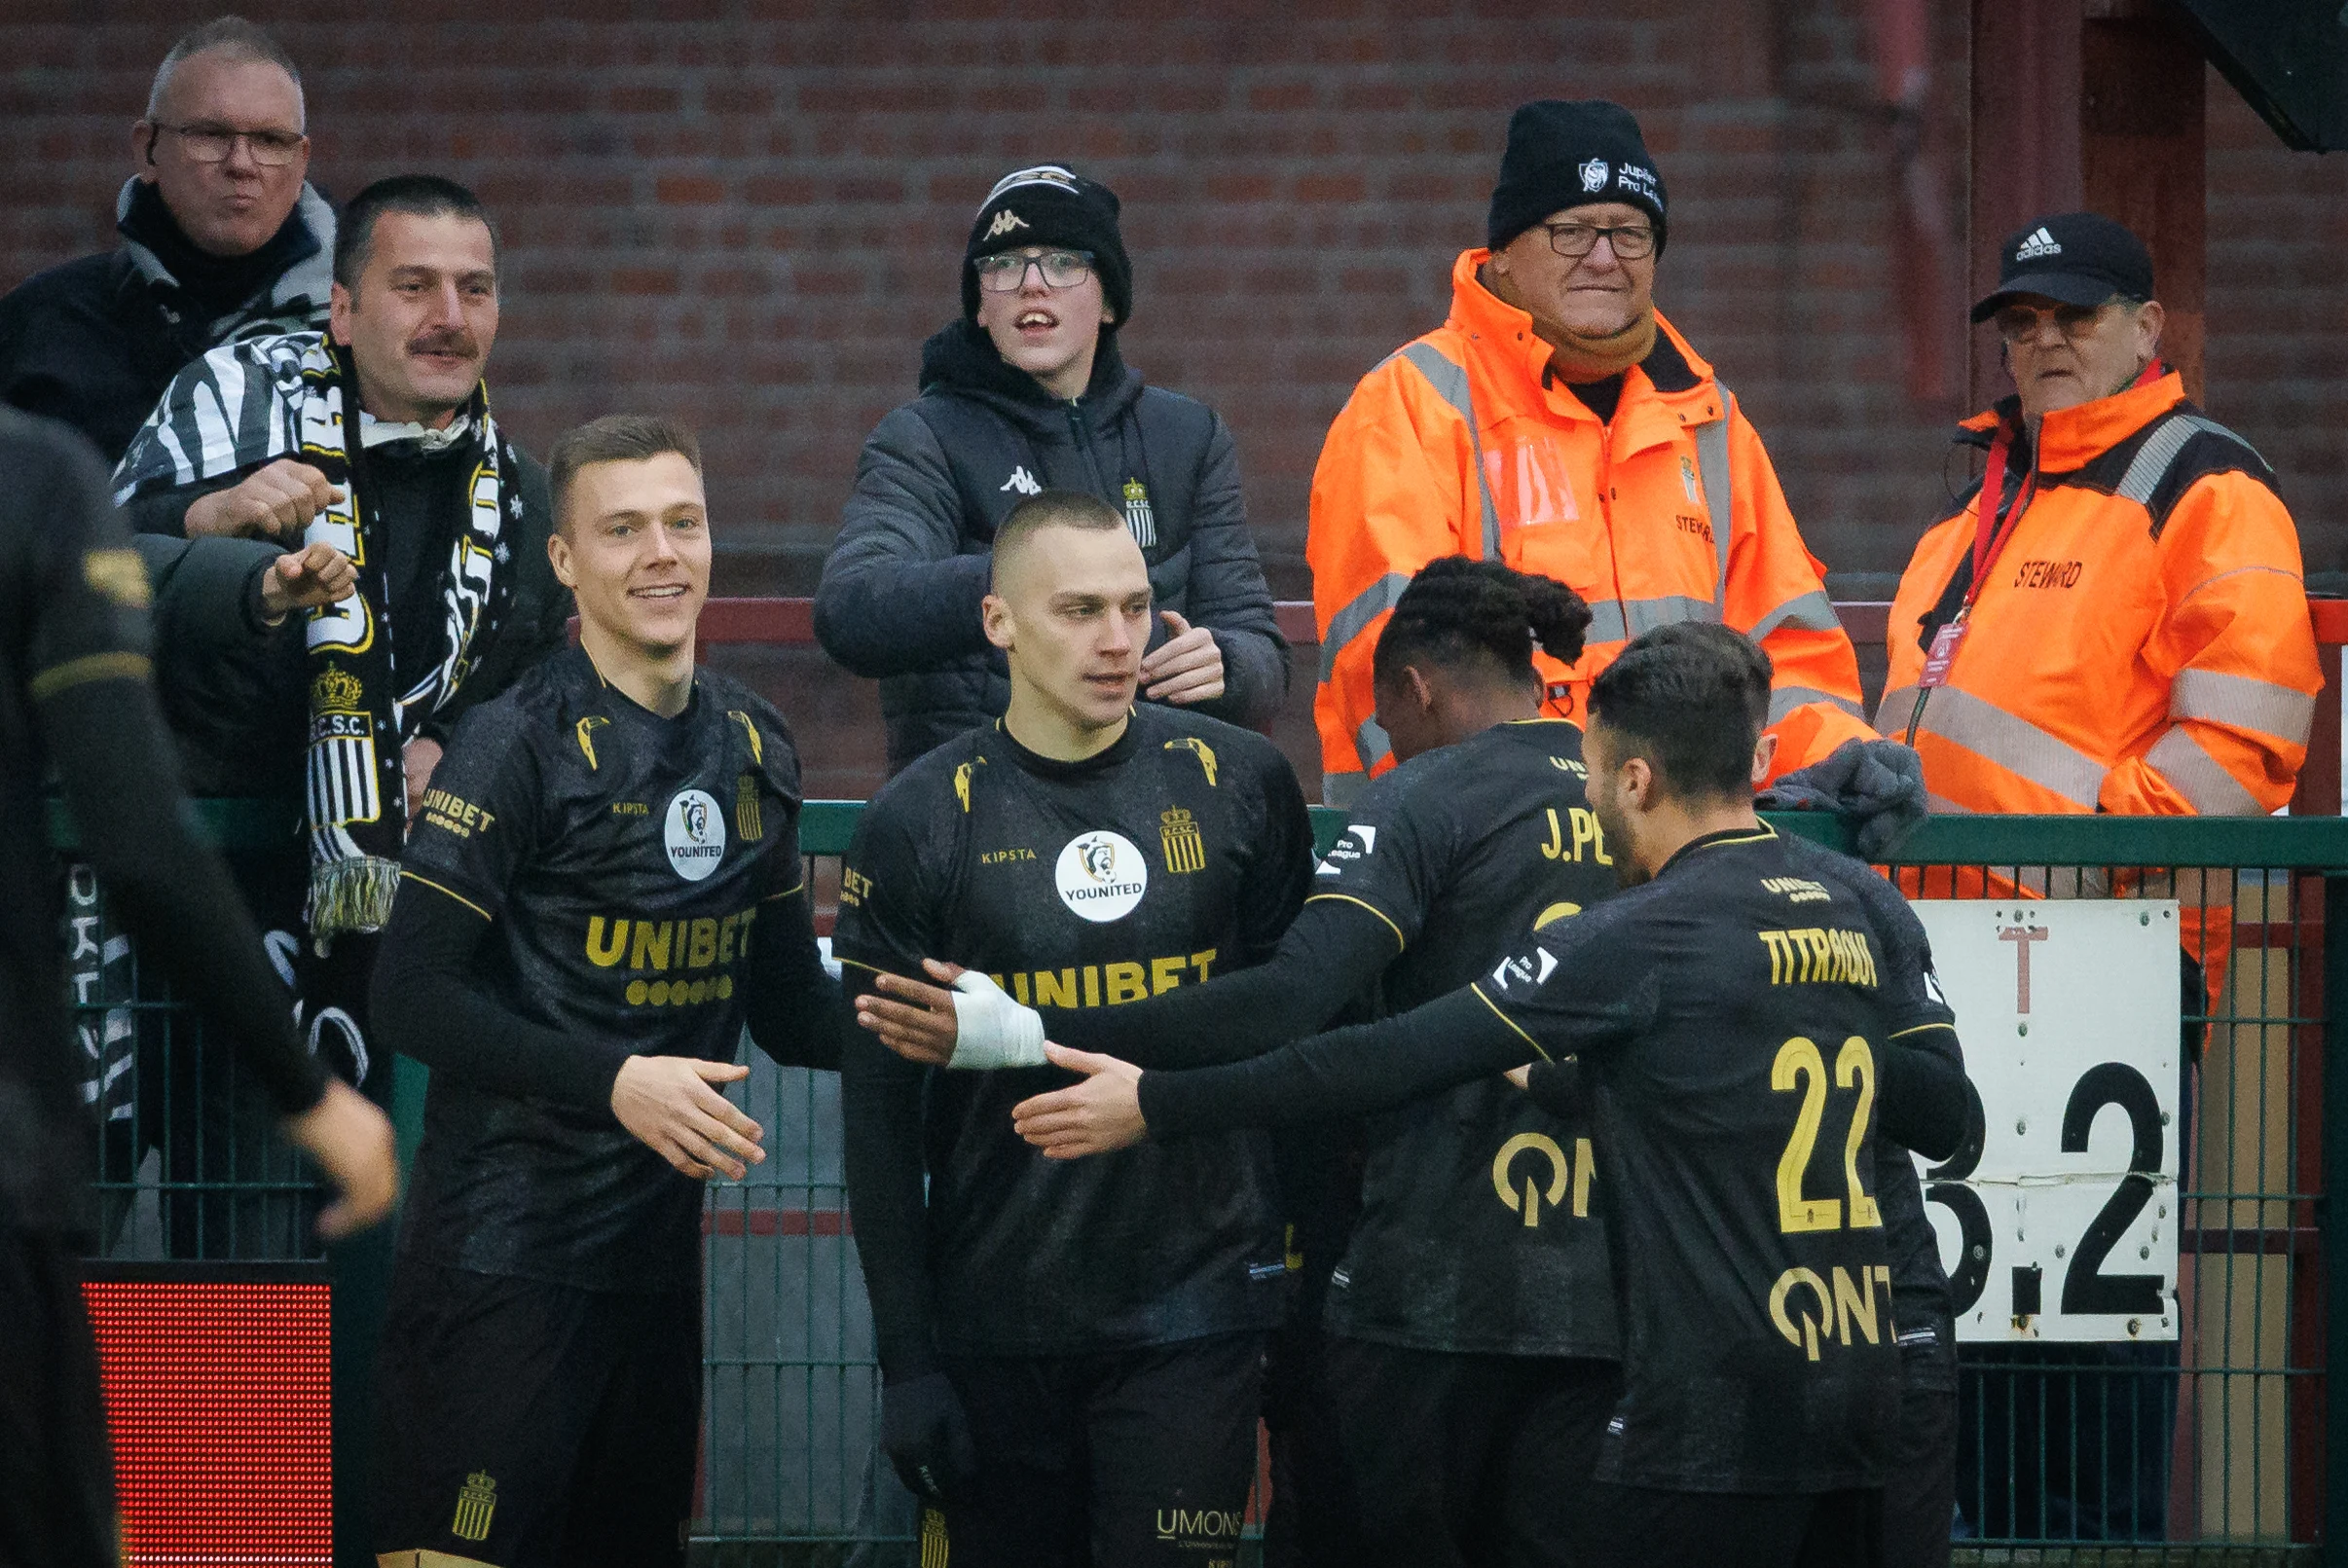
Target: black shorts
[
  {"x": 57, "y": 1466},
  {"x": 1126, "y": 1457},
  {"x": 524, "y": 1423},
  {"x": 1646, "y": 1527},
  {"x": 1920, "y": 1480},
  {"x": 1460, "y": 1459}
]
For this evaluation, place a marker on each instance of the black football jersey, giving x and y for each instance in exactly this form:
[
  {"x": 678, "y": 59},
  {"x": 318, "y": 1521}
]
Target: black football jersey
[
  {"x": 1728, "y": 1016},
  {"x": 623, "y": 861},
  {"x": 1180, "y": 852},
  {"x": 1479, "y": 1228}
]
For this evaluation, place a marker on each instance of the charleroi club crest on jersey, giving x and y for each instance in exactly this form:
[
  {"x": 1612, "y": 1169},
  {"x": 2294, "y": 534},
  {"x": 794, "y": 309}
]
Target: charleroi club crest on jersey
[{"x": 1178, "y": 833}]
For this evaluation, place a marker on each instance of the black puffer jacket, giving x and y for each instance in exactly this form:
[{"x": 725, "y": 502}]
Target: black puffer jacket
[{"x": 900, "y": 593}]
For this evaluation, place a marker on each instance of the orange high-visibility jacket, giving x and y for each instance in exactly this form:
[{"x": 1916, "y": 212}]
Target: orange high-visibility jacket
[
  {"x": 2142, "y": 642},
  {"x": 2139, "y": 645},
  {"x": 1461, "y": 445}
]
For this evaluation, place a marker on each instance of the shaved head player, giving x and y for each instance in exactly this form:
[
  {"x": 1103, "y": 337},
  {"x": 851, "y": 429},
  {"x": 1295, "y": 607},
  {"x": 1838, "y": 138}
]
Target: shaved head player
[
  {"x": 1727, "y": 1025},
  {"x": 1070, "y": 1354}
]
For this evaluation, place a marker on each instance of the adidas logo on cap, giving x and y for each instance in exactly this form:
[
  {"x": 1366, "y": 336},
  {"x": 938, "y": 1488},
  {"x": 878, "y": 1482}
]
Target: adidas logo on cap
[{"x": 2037, "y": 244}]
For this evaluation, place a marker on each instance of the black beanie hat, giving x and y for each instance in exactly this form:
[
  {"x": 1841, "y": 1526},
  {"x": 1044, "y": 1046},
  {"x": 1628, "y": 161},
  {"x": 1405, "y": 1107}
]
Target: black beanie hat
[
  {"x": 1049, "y": 204},
  {"x": 1563, "y": 155}
]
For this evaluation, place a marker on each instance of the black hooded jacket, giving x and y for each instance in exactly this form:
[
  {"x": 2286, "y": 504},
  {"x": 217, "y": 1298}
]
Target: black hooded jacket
[{"x": 900, "y": 592}]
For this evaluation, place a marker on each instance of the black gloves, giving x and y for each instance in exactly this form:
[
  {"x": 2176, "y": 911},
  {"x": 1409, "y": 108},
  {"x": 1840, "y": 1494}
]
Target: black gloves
[
  {"x": 1877, "y": 786},
  {"x": 926, "y": 1435}
]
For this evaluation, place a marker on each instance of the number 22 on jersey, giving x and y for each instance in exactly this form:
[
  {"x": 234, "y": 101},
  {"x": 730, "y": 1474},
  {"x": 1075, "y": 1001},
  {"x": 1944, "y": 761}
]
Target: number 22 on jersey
[{"x": 1801, "y": 1068}]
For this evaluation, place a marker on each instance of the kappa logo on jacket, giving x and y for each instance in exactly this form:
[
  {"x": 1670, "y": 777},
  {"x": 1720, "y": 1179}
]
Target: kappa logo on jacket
[
  {"x": 2040, "y": 243},
  {"x": 1021, "y": 481}
]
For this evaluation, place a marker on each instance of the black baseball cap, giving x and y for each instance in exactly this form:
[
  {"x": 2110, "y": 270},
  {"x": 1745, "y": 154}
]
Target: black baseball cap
[{"x": 2073, "y": 258}]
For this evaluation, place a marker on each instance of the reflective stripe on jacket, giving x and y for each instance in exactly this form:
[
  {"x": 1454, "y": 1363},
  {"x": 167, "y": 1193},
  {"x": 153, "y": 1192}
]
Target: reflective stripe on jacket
[
  {"x": 2142, "y": 643},
  {"x": 1459, "y": 444}
]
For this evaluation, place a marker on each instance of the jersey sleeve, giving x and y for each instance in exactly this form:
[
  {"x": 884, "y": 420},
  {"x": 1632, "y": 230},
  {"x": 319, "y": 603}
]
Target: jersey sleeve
[
  {"x": 479, "y": 820},
  {"x": 1390, "y": 860},
  {"x": 1278, "y": 880},
  {"x": 1583, "y": 987},
  {"x": 890, "y": 918},
  {"x": 88, "y": 597},
  {"x": 796, "y": 1013},
  {"x": 1923, "y": 1103}
]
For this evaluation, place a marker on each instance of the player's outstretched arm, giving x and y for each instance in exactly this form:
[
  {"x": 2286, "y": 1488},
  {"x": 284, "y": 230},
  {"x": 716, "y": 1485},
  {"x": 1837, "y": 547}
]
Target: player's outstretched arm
[
  {"x": 1330, "y": 955},
  {"x": 1453, "y": 1039},
  {"x": 100, "y": 727},
  {"x": 423, "y": 1005},
  {"x": 796, "y": 1013}
]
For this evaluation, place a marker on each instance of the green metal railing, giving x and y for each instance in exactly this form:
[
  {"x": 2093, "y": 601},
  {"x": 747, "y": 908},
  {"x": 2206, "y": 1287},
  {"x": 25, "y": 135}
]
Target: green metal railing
[{"x": 2229, "y": 1454}]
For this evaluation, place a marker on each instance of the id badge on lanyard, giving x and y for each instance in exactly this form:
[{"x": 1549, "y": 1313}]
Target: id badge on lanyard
[
  {"x": 1990, "y": 533},
  {"x": 1943, "y": 652}
]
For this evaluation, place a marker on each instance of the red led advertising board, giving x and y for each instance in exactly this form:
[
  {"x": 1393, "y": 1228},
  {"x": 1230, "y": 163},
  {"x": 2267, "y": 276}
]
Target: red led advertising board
[{"x": 219, "y": 1395}]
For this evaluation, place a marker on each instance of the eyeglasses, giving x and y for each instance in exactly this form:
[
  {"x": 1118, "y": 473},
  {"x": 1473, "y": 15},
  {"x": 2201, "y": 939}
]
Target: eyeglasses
[
  {"x": 1630, "y": 241},
  {"x": 212, "y": 144},
  {"x": 1007, "y": 272},
  {"x": 2020, "y": 324}
]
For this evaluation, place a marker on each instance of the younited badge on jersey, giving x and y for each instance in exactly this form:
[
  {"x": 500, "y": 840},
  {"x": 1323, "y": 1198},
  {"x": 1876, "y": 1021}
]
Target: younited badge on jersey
[
  {"x": 694, "y": 834},
  {"x": 1101, "y": 875}
]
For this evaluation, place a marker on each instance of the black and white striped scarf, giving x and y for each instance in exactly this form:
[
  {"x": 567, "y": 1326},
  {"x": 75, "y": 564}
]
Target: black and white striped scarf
[{"x": 250, "y": 403}]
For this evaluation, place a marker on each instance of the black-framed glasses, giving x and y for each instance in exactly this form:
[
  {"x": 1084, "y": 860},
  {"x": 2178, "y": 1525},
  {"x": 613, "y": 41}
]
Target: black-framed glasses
[
  {"x": 2020, "y": 324},
  {"x": 1005, "y": 272},
  {"x": 1574, "y": 240},
  {"x": 207, "y": 143}
]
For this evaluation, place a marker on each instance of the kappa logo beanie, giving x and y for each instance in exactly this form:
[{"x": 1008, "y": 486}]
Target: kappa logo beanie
[{"x": 1052, "y": 204}]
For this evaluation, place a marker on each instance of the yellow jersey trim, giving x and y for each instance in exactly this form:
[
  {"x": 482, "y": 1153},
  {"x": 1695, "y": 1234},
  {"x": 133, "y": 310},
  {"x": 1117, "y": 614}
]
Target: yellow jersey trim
[
  {"x": 1506, "y": 1019},
  {"x": 1346, "y": 898},
  {"x": 450, "y": 892},
  {"x": 90, "y": 667}
]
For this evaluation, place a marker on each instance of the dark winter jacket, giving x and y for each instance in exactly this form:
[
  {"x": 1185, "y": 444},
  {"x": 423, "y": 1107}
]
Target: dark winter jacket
[
  {"x": 900, "y": 592},
  {"x": 94, "y": 341},
  {"x": 231, "y": 686},
  {"x": 424, "y": 499}
]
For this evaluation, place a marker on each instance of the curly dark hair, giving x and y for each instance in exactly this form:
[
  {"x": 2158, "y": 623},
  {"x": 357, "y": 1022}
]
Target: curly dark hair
[{"x": 1464, "y": 614}]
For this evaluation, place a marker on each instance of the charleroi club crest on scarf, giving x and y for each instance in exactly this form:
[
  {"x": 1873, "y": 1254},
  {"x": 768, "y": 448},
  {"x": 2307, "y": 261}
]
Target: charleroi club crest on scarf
[{"x": 293, "y": 395}]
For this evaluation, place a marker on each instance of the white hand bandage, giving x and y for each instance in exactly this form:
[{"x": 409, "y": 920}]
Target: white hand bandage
[{"x": 991, "y": 1030}]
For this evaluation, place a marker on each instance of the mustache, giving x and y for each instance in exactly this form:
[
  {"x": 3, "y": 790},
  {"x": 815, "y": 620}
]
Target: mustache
[{"x": 445, "y": 341}]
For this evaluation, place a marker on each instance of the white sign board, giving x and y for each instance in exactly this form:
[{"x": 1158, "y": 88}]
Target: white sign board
[{"x": 2058, "y": 1219}]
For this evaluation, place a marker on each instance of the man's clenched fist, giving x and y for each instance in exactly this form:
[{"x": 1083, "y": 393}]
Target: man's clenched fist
[
  {"x": 315, "y": 575},
  {"x": 274, "y": 502}
]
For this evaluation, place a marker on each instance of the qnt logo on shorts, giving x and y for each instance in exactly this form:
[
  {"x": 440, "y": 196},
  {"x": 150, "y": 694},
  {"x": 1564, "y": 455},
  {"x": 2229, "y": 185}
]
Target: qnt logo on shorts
[{"x": 694, "y": 834}]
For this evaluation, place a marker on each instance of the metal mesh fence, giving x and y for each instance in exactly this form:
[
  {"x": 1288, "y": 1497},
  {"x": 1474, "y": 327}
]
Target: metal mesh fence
[{"x": 2210, "y": 1448}]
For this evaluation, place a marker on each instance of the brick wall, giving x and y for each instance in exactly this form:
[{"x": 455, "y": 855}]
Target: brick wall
[{"x": 751, "y": 214}]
